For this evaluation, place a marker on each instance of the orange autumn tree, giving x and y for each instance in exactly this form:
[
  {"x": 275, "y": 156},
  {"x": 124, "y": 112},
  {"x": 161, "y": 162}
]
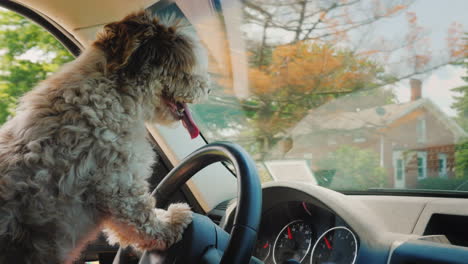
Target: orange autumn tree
[
  {"x": 303, "y": 53},
  {"x": 300, "y": 77},
  {"x": 307, "y": 68},
  {"x": 304, "y": 68}
]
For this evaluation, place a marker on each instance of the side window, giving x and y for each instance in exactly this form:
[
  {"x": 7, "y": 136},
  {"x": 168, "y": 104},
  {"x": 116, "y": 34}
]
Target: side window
[{"x": 28, "y": 54}]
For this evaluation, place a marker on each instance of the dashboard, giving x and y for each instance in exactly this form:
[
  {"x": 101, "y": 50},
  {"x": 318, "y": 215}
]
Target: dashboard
[
  {"x": 308, "y": 224},
  {"x": 299, "y": 232}
]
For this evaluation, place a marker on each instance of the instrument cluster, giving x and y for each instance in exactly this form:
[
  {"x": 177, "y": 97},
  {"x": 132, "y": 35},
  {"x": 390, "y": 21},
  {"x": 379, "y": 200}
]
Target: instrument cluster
[{"x": 298, "y": 232}]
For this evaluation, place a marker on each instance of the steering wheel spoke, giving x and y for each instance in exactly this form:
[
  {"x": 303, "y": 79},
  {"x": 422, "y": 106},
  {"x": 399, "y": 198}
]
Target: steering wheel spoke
[{"x": 203, "y": 241}]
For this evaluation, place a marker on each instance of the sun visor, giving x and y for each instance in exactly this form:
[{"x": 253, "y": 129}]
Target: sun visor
[{"x": 218, "y": 27}]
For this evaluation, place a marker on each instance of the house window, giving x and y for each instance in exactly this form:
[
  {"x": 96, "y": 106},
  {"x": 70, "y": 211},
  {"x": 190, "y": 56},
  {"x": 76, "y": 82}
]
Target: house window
[
  {"x": 399, "y": 164},
  {"x": 442, "y": 157},
  {"x": 422, "y": 165},
  {"x": 421, "y": 130},
  {"x": 399, "y": 169}
]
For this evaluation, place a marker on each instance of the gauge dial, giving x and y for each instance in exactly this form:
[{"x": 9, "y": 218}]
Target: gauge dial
[
  {"x": 293, "y": 243},
  {"x": 338, "y": 245},
  {"x": 263, "y": 249}
]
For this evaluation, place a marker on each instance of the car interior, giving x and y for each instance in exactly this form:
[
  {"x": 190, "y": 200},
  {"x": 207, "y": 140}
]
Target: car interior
[{"x": 291, "y": 217}]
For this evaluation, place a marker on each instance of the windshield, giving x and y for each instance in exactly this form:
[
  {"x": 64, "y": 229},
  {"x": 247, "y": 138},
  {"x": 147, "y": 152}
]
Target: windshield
[{"x": 347, "y": 94}]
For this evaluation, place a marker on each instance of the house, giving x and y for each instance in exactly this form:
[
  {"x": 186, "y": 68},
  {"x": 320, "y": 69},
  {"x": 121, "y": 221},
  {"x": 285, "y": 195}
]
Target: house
[{"x": 413, "y": 140}]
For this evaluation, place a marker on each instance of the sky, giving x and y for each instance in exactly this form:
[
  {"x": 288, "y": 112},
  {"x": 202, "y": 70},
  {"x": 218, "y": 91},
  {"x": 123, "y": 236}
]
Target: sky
[
  {"x": 436, "y": 87},
  {"x": 436, "y": 16}
]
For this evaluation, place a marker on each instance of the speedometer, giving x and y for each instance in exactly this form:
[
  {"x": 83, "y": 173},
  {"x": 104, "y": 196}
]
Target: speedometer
[
  {"x": 338, "y": 245},
  {"x": 293, "y": 243}
]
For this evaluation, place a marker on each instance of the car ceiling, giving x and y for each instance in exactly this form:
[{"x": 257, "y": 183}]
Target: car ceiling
[{"x": 83, "y": 18}]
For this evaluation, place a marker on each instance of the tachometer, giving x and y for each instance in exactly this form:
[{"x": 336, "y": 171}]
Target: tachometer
[
  {"x": 293, "y": 243},
  {"x": 338, "y": 245}
]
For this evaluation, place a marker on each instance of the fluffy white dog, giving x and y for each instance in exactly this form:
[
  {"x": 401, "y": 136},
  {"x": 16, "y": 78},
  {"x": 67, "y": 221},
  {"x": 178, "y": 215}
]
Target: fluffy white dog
[{"x": 75, "y": 158}]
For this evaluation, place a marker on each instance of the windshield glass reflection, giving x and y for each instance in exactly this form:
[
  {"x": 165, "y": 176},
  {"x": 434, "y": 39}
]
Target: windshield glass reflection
[{"x": 347, "y": 94}]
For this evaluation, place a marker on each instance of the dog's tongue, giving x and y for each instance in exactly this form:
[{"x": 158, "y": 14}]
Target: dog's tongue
[{"x": 188, "y": 122}]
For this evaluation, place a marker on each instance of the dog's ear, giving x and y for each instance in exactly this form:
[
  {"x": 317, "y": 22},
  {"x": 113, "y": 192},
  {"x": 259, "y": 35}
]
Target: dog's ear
[
  {"x": 120, "y": 39},
  {"x": 141, "y": 39},
  {"x": 168, "y": 49}
]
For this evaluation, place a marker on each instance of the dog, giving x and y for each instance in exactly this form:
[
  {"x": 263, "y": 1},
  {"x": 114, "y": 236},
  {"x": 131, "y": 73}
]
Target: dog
[{"x": 75, "y": 158}]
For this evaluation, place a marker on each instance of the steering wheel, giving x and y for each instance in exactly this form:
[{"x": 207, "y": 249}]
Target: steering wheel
[{"x": 203, "y": 241}]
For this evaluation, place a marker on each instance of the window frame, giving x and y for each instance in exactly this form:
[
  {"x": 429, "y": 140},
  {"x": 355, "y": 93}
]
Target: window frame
[{"x": 64, "y": 37}]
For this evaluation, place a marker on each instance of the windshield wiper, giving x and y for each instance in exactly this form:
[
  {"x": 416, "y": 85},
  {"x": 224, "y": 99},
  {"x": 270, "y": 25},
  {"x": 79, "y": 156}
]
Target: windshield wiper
[
  {"x": 461, "y": 185},
  {"x": 411, "y": 192}
]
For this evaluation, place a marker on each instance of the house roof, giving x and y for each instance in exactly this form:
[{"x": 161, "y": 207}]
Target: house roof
[{"x": 375, "y": 117}]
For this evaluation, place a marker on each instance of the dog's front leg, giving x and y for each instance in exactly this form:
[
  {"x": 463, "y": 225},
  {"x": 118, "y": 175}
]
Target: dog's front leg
[{"x": 134, "y": 221}]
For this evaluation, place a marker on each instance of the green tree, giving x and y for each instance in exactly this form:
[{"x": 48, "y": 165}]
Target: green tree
[
  {"x": 355, "y": 169},
  {"x": 28, "y": 54},
  {"x": 461, "y": 107},
  {"x": 461, "y": 101}
]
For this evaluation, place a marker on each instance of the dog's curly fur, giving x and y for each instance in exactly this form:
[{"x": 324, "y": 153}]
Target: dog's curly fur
[{"x": 75, "y": 158}]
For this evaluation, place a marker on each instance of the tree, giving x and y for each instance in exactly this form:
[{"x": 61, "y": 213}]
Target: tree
[
  {"x": 301, "y": 76},
  {"x": 304, "y": 53},
  {"x": 349, "y": 23},
  {"x": 461, "y": 107},
  {"x": 355, "y": 169},
  {"x": 28, "y": 54},
  {"x": 298, "y": 77},
  {"x": 460, "y": 104}
]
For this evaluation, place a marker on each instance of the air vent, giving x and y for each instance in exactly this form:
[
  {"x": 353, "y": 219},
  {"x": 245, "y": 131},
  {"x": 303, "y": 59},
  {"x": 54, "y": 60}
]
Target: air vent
[{"x": 219, "y": 211}]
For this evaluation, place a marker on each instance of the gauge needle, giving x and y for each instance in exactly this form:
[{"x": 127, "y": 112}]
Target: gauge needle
[
  {"x": 289, "y": 233},
  {"x": 266, "y": 245},
  {"x": 328, "y": 243}
]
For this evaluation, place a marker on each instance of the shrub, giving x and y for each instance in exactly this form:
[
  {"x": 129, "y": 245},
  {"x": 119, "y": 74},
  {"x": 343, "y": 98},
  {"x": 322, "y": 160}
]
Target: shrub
[
  {"x": 353, "y": 169},
  {"x": 443, "y": 184}
]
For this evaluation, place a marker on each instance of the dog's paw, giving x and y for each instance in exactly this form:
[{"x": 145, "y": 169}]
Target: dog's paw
[
  {"x": 179, "y": 216},
  {"x": 174, "y": 220},
  {"x": 156, "y": 244}
]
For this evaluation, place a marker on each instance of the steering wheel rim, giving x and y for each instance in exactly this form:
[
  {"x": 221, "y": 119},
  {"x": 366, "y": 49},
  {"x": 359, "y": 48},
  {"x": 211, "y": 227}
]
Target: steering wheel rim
[{"x": 248, "y": 213}]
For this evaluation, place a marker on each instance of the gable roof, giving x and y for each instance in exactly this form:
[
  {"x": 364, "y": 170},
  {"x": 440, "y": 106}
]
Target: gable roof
[{"x": 375, "y": 117}]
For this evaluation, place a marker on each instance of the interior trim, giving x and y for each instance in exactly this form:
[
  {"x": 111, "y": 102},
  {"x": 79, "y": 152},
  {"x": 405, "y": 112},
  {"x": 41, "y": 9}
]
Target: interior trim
[{"x": 408, "y": 192}]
